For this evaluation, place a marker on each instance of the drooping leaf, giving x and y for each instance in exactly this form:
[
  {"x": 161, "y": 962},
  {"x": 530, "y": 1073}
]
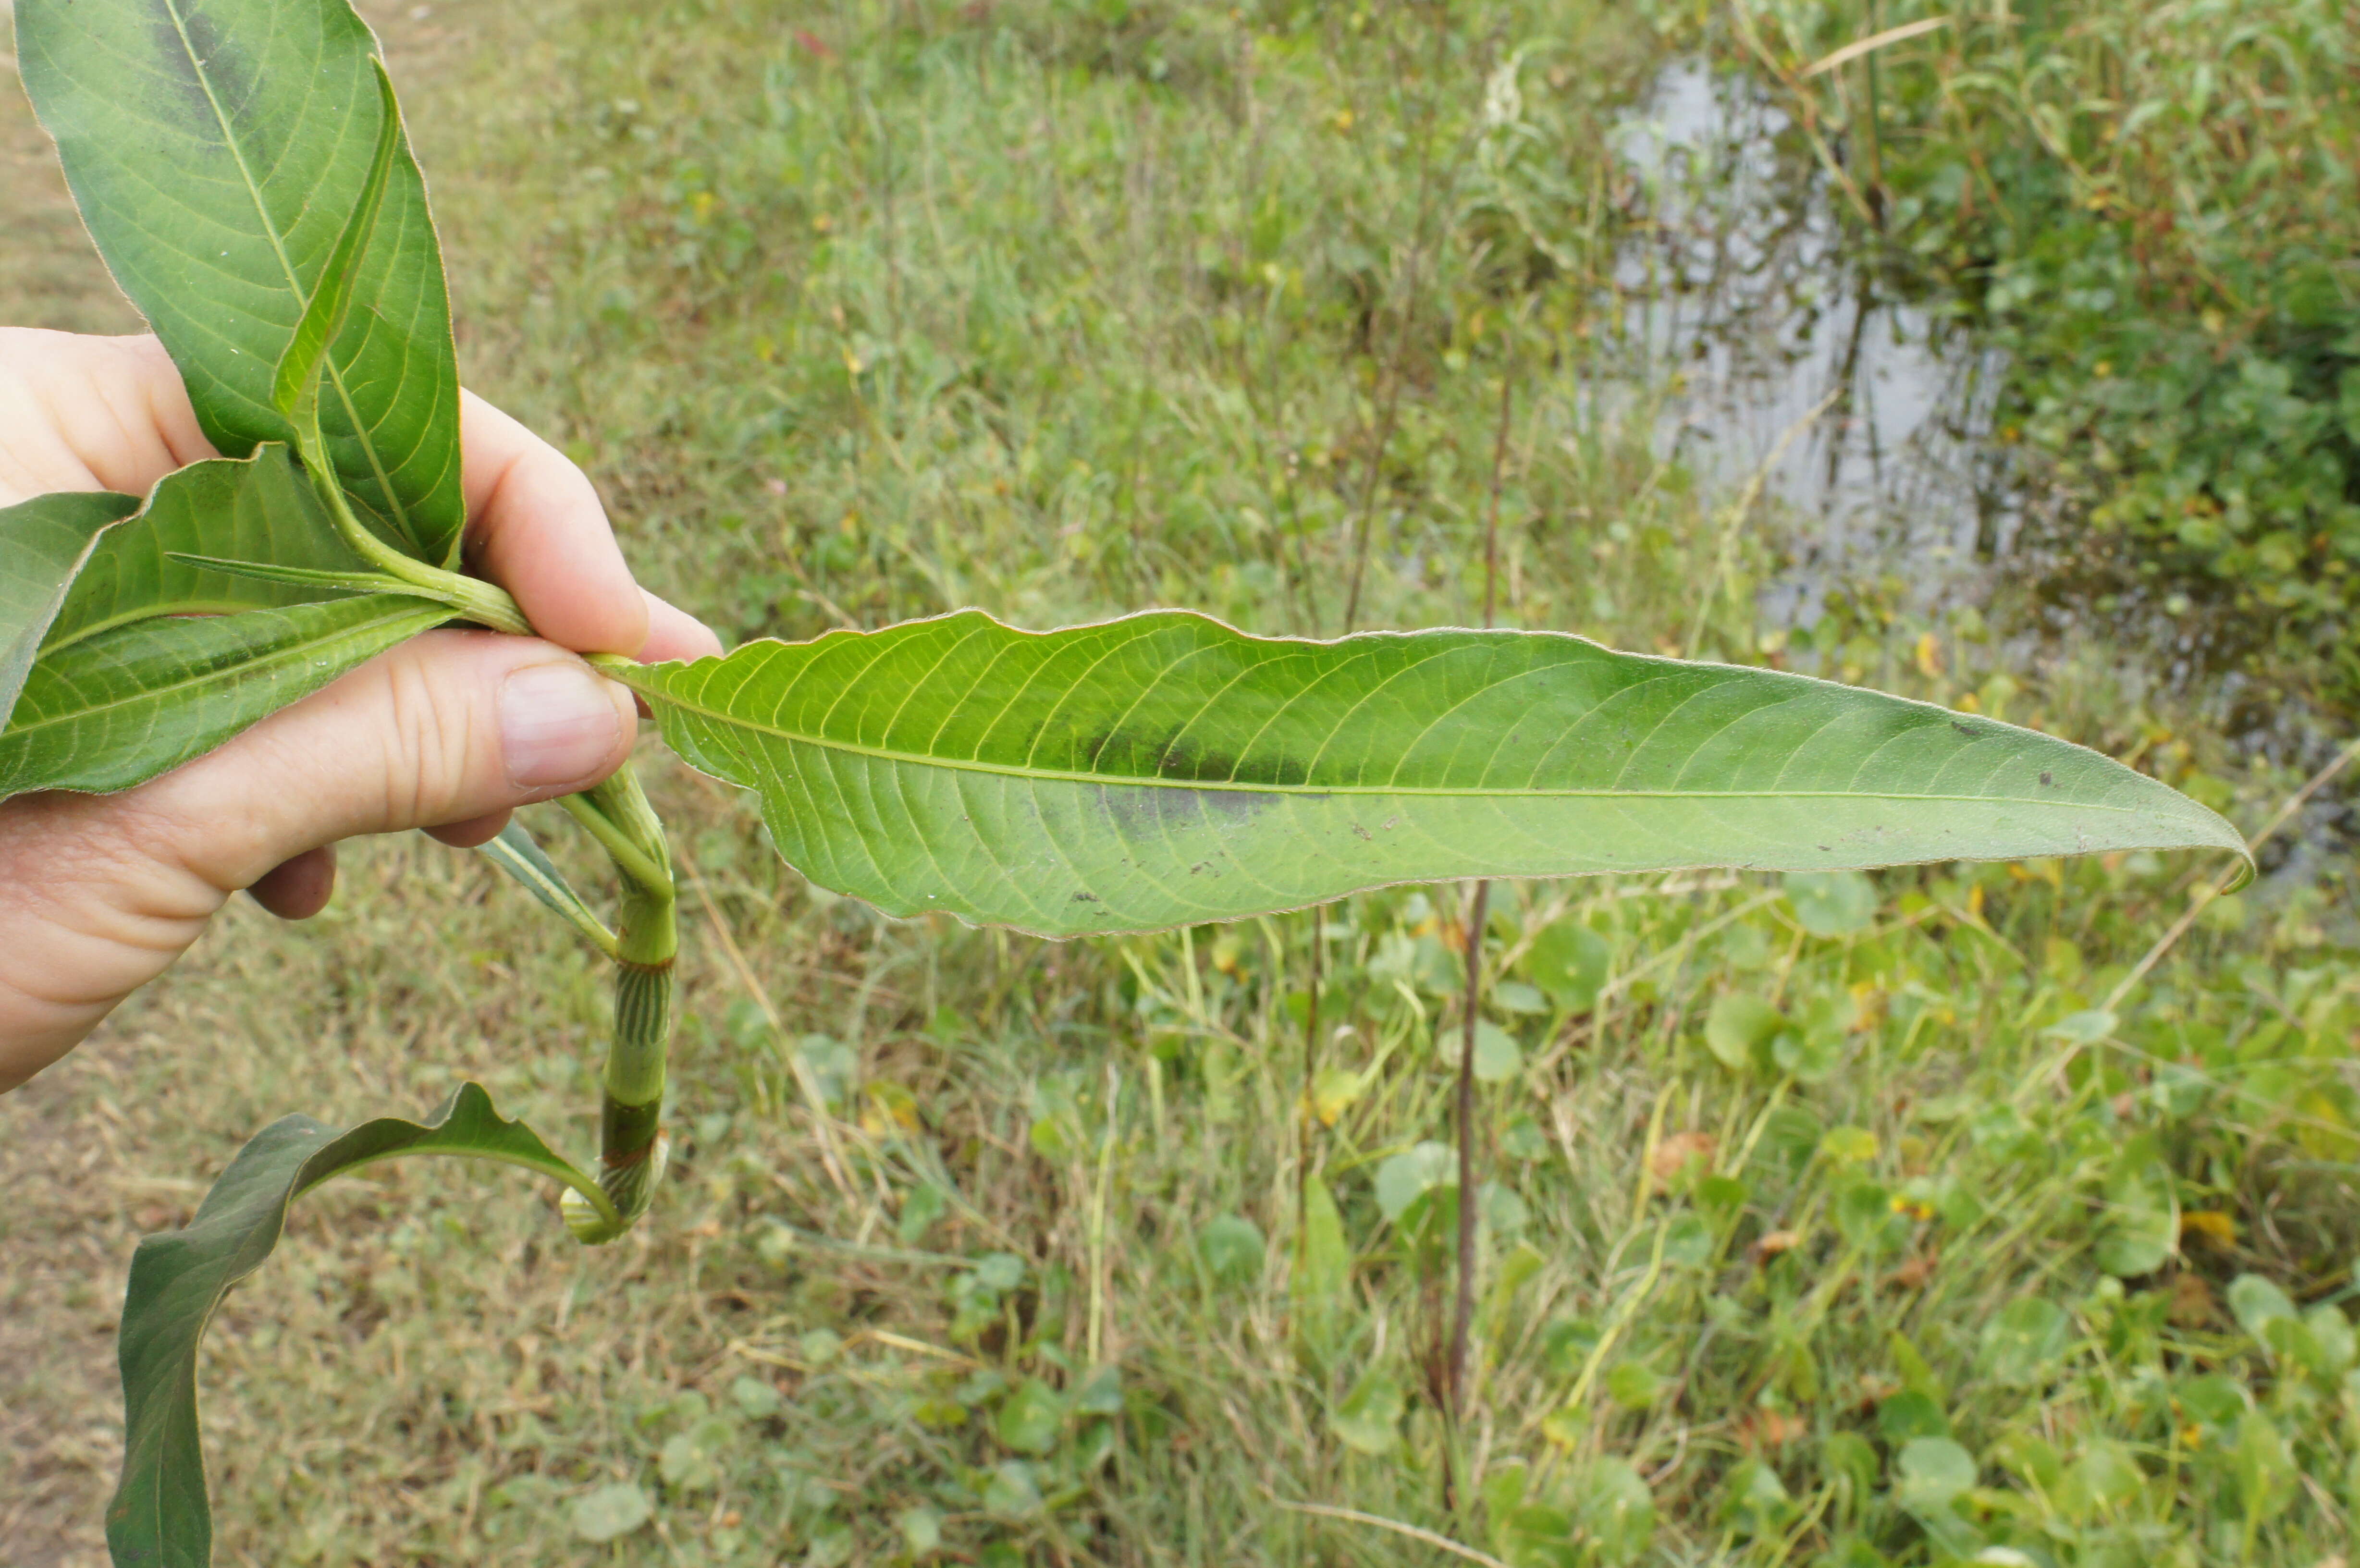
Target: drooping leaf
[
  {"x": 44, "y": 543},
  {"x": 1164, "y": 770},
  {"x": 217, "y": 149},
  {"x": 119, "y": 709},
  {"x": 158, "y": 1515},
  {"x": 515, "y": 853},
  {"x": 255, "y": 508}
]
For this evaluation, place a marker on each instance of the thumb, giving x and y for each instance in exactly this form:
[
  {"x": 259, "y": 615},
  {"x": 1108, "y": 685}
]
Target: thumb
[
  {"x": 103, "y": 891},
  {"x": 449, "y": 728}
]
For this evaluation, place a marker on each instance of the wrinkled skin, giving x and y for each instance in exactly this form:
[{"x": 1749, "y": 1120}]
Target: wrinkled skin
[{"x": 100, "y": 893}]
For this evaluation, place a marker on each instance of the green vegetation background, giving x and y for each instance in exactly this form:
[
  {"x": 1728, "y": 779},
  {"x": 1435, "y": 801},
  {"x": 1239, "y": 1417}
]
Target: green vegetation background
[{"x": 1824, "y": 1221}]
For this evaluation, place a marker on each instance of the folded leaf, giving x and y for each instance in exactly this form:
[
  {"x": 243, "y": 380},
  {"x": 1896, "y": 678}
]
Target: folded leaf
[
  {"x": 217, "y": 149},
  {"x": 515, "y": 853},
  {"x": 158, "y": 1515},
  {"x": 1164, "y": 769},
  {"x": 44, "y": 543},
  {"x": 325, "y": 584},
  {"x": 294, "y": 386},
  {"x": 257, "y": 508},
  {"x": 119, "y": 709}
]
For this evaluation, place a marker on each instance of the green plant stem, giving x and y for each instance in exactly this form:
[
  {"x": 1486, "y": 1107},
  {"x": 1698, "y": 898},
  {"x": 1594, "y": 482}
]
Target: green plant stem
[
  {"x": 646, "y": 935},
  {"x": 637, "y": 865},
  {"x": 647, "y": 939},
  {"x": 483, "y": 602},
  {"x": 1309, "y": 1113},
  {"x": 1462, "y": 1317},
  {"x": 1875, "y": 129}
]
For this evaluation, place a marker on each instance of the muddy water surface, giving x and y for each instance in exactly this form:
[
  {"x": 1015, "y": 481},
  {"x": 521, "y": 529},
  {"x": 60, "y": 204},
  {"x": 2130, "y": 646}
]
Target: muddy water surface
[{"x": 1767, "y": 350}]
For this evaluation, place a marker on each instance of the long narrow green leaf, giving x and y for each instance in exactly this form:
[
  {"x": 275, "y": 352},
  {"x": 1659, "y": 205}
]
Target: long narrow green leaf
[
  {"x": 304, "y": 577},
  {"x": 257, "y": 508},
  {"x": 515, "y": 853},
  {"x": 217, "y": 149},
  {"x": 1164, "y": 769},
  {"x": 324, "y": 317},
  {"x": 120, "y": 708},
  {"x": 158, "y": 1517},
  {"x": 44, "y": 543}
]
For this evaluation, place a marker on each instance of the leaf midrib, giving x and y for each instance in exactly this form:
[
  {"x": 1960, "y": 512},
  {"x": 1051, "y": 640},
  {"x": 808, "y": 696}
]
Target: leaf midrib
[
  {"x": 1145, "y": 781},
  {"x": 332, "y": 373}
]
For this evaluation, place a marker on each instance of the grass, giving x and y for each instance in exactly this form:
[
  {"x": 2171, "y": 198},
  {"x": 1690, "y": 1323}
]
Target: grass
[{"x": 1824, "y": 1221}]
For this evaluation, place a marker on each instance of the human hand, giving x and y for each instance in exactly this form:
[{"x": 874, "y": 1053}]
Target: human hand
[{"x": 99, "y": 894}]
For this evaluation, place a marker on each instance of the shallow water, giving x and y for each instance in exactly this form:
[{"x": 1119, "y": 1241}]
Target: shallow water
[
  {"x": 1758, "y": 342},
  {"x": 1745, "y": 301}
]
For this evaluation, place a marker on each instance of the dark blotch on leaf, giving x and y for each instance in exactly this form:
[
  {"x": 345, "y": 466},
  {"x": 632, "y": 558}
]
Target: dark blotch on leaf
[
  {"x": 1183, "y": 761},
  {"x": 1160, "y": 808},
  {"x": 199, "y": 45},
  {"x": 1173, "y": 758}
]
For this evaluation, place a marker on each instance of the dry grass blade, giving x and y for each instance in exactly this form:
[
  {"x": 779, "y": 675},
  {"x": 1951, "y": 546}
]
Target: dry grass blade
[
  {"x": 1874, "y": 41},
  {"x": 1378, "y": 1521}
]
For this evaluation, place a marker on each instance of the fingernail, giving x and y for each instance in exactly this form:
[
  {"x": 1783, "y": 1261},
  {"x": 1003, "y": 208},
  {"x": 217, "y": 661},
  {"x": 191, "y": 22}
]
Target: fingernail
[{"x": 558, "y": 723}]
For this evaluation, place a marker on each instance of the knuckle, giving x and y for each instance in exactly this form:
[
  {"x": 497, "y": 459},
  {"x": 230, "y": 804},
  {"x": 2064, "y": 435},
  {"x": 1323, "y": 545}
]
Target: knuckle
[{"x": 428, "y": 738}]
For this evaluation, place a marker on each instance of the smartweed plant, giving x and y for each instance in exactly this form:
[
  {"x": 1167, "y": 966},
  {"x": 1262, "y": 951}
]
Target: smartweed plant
[{"x": 243, "y": 168}]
